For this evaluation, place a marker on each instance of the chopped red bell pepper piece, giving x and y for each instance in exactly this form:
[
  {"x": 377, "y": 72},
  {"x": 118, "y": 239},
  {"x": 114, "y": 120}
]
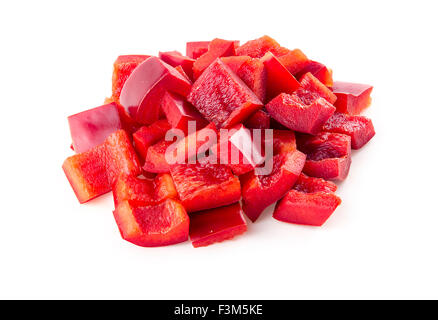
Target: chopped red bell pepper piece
[
  {"x": 259, "y": 120},
  {"x": 290, "y": 111},
  {"x": 260, "y": 191},
  {"x": 179, "y": 112},
  {"x": 155, "y": 160},
  {"x": 205, "y": 186},
  {"x": 175, "y": 58},
  {"x": 353, "y": 98},
  {"x": 279, "y": 79},
  {"x": 222, "y": 97},
  {"x": 284, "y": 141},
  {"x": 143, "y": 90},
  {"x": 216, "y": 48},
  {"x": 255, "y": 75},
  {"x": 235, "y": 62},
  {"x": 328, "y": 155},
  {"x": 149, "y": 135},
  {"x": 293, "y": 60},
  {"x": 90, "y": 128},
  {"x": 92, "y": 173},
  {"x": 238, "y": 150},
  {"x": 196, "y": 49},
  {"x": 311, "y": 202},
  {"x": 216, "y": 225},
  {"x": 123, "y": 67},
  {"x": 155, "y": 225},
  {"x": 320, "y": 71},
  {"x": 359, "y": 128},
  {"x": 311, "y": 89},
  {"x": 183, "y": 73},
  {"x": 259, "y": 47},
  {"x": 144, "y": 191}
]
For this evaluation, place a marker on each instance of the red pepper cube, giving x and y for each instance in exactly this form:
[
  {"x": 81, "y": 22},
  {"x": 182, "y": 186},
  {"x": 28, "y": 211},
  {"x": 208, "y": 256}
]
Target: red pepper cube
[
  {"x": 175, "y": 58},
  {"x": 238, "y": 150},
  {"x": 149, "y": 135},
  {"x": 255, "y": 75},
  {"x": 155, "y": 225},
  {"x": 259, "y": 120},
  {"x": 293, "y": 60},
  {"x": 359, "y": 128},
  {"x": 284, "y": 141},
  {"x": 92, "y": 173},
  {"x": 155, "y": 160},
  {"x": 90, "y": 128},
  {"x": 123, "y": 67},
  {"x": 260, "y": 191},
  {"x": 279, "y": 79},
  {"x": 353, "y": 98},
  {"x": 196, "y": 49},
  {"x": 143, "y": 90},
  {"x": 328, "y": 155},
  {"x": 311, "y": 89},
  {"x": 320, "y": 71},
  {"x": 216, "y": 48},
  {"x": 216, "y": 225},
  {"x": 183, "y": 73},
  {"x": 179, "y": 112},
  {"x": 197, "y": 143},
  {"x": 205, "y": 186},
  {"x": 290, "y": 111},
  {"x": 311, "y": 202},
  {"x": 222, "y": 97},
  {"x": 144, "y": 191},
  {"x": 235, "y": 62},
  {"x": 259, "y": 47}
]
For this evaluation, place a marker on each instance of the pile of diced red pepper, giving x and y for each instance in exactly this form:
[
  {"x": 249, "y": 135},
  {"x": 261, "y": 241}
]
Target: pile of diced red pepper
[{"x": 120, "y": 146}]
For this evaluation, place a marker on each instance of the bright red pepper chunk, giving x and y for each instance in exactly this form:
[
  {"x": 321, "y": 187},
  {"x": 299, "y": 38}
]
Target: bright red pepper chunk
[
  {"x": 222, "y": 97},
  {"x": 90, "y": 128},
  {"x": 216, "y": 225},
  {"x": 359, "y": 128},
  {"x": 144, "y": 89},
  {"x": 149, "y": 135},
  {"x": 311, "y": 202},
  {"x": 293, "y": 60},
  {"x": 205, "y": 186},
  {"x": 179, "y": 112},
  {"x": 155, "y": 225},
  {"x": 175, "y": 58},
  {"x": 260, "y": 191},
  {"x": 290, "y": 111},
  {"x": 328, "y": 155},
  {"x": 259, "y": 47},
  {"x": 259, "y": 120},
  {"x": 353, "y": 98},
  {"x": 311, "y": 89},
  {"x": 93, "y": 173},
  {"x": 279, "y": 79}
]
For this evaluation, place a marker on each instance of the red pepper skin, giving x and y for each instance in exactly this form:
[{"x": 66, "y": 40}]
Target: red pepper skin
[
  {"x": 311, "y": 202},
  {"x": 93, "y": 173},
  {"x": 259, "y": 120},
  {"x": 359, "y": 128},
  {"x": 284, "y": 141},
  {"x": 192, "y": 143},
  {"x": 205, "y": 186},
  {"x": 279, "y": 79},
  {"x": 143, "y": 90},
  {"x": 144, "y": 191},
  {"x": 311, "y": 89},
  {"x": 294, "y": 61},
  {"x": 183, "y": 73},
  {"x": 328, "y": 155},
  {"x": 290, "y": 111},
  {"x": 229, "y": 102},
  {"x": 259, "y": 47},
  {"x": 149, "y": 135},
  {"x": 239, "y": 145},
  {"x": 258, "y": 192},
  {"x": 196, "y": 49},
  {"x": 90, "y": 128},
  {"x": 235, "y": 62},
  {"x": 175, "y": 58},
  {"x": 353, "y": 98},
  {"x": 123, "y": 67},
  {"x": 317, "y": 69},
  {"x": 179, "y": 112},
  {"x": 216, "y": 48},
  {"x": 216, "y": 225},
  {"x": 155, "y": 160},
  {"x": 155, "y": 225},
  {"x": 255, "y": 75}
]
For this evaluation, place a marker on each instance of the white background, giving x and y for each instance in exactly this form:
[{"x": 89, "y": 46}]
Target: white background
[{"x": 56, "y": 59}]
